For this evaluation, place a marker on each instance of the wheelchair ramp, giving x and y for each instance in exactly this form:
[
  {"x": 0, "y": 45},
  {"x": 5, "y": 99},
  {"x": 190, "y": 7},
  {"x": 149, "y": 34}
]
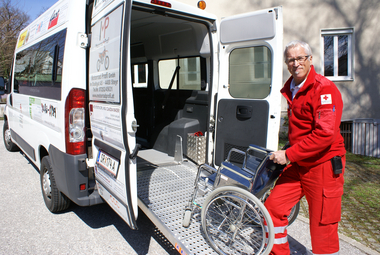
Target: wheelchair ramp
[
  {"x": 164, "y": 189},
  {"x": 163, "y": 193}
]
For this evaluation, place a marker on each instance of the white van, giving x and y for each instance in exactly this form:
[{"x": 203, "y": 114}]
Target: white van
[{"x": 104, "y": 95}]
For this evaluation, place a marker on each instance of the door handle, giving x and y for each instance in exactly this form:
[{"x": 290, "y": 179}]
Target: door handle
[{"x": 243, "y": 112}]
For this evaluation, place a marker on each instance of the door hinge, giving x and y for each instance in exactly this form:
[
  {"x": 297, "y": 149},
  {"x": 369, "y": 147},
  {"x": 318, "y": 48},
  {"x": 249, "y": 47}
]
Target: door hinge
[
  {"x": 211, "y": 126},
  {"x": 83, "y": 40},
  {"x": 213, "y": 28}
]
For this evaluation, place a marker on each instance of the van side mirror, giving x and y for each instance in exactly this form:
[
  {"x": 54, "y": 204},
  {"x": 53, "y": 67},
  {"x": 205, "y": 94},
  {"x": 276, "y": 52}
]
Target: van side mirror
[{"x": 2, "y": 86}]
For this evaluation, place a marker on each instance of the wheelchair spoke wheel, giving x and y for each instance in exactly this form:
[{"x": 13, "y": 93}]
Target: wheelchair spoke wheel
[{"x": 233, "y": 222}]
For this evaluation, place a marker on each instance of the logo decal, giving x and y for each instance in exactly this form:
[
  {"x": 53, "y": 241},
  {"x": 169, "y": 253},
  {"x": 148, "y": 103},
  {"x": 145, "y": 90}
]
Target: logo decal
[
  {"x": 326, "y": 99},
  {"x": 53, "y": 19}
]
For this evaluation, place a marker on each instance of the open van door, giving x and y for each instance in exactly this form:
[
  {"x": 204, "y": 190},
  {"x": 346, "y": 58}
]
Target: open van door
[
  {"x": 113, "y": 124},
  {"x": 250, "y": 79}
]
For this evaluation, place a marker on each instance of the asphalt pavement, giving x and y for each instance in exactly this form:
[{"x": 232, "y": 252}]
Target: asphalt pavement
[{"x": 28, "y": 227}]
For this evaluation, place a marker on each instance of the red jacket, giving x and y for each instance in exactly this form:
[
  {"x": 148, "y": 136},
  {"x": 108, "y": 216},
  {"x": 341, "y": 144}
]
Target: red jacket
[{"x": 314, "y": 119}]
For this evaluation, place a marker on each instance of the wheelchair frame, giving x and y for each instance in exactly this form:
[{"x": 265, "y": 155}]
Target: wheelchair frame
[{"x": 233, "y": 217}]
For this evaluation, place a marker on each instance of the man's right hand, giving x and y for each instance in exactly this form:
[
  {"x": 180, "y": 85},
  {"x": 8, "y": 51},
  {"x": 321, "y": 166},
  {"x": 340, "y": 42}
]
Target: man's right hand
[{"x": 279, "y": 157}]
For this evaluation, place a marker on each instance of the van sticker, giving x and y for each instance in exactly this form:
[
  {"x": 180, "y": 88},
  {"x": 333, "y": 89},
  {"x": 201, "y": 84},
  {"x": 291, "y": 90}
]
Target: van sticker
[
  {"x": 105, "y": 50},
  {"x": 53, "y": 19},
  {"x": 110, "y": 183},
  {"x": 23, "y": 38},
  {"x": 99, "y": 5},
  {"x": 106, "y": 124},
  {"x": 49, "y": 20},
  {"x": 50, "y": 110},
  {"x": 35, "y": 110},
  {"x": 45, "y": 112}
]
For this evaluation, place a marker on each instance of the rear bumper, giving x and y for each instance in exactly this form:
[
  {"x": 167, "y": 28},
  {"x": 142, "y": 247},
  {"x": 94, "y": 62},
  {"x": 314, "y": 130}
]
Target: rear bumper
[{"x": 70, "y": 171}]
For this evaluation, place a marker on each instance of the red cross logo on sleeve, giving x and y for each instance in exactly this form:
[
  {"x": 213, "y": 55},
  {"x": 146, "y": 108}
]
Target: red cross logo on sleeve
[{"x": 326, "y": 99}]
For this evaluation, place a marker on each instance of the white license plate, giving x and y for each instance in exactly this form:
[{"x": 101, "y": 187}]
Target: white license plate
[{"x": 108, "y": 163}]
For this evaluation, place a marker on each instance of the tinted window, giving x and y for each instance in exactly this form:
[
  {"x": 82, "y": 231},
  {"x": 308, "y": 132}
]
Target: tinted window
[
  {"x": 250, "y": 72},
  {"x": 38, "y": 69}
]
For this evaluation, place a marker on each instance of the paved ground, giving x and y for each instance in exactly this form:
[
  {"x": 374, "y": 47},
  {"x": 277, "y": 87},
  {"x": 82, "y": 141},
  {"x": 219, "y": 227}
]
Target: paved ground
[{"x": 27, "y": 227}]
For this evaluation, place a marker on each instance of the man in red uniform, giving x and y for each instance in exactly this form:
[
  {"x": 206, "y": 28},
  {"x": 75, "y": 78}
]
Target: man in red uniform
[{"x": 315, "y": 158}]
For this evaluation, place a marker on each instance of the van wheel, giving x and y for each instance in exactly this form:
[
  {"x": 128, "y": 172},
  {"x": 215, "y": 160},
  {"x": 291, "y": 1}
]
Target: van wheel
[
  {"x": 9, "y": 145},
  {"x": 55, "y": 201}
]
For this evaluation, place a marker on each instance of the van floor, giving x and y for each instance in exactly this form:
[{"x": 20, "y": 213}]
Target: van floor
[{"x": 164, "y": 188}]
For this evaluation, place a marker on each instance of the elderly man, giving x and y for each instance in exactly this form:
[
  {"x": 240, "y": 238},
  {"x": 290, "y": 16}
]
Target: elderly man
[{"x": 315, "y": 158}]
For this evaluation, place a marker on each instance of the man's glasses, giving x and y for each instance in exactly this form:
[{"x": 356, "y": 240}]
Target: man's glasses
[{"x": 300, "y": 60}]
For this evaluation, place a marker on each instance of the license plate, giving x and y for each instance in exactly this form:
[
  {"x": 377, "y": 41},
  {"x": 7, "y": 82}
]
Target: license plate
[{"x": 108, "y": 163}]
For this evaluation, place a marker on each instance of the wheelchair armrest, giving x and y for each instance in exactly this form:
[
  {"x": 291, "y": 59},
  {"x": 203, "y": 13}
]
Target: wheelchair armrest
[
  {"x": 253, "y": 147},
  {"x": 204, "y": 171},
  {"x": 232, "y": 151}
]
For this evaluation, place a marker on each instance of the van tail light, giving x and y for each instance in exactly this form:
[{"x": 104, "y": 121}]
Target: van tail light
[{"x": 75, "y": 122}]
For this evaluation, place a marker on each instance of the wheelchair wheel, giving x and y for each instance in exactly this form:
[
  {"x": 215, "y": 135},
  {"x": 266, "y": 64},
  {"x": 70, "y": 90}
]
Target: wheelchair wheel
[
  {"x": 233, "y": 222},
  {"x": 293, "y": 213}
]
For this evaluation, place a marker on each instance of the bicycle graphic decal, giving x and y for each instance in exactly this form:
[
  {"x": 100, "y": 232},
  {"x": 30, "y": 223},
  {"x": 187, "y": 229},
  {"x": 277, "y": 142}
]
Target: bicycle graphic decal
[{"x": 103, "y": 59}]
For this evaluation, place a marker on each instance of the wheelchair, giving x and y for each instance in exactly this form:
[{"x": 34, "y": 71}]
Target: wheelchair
[{"x": 234, "y": 219}]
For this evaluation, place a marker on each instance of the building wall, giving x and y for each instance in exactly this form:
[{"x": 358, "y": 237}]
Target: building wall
[{"x": 303, "y": 20}]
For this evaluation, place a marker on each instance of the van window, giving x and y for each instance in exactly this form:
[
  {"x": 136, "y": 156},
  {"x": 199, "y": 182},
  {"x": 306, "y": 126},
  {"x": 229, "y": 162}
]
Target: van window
[
  {"x": 140, "y": 75},
  {"x": 38, "y": 69},
  {"x": 189, "y": 73},
  {"x": 250, "y": 72}
]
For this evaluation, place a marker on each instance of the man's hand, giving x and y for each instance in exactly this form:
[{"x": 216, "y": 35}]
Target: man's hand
[{"x": 279, "y": 157}]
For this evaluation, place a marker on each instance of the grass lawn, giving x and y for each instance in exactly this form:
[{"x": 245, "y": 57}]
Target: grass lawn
[{"x": 361, "y": 200}]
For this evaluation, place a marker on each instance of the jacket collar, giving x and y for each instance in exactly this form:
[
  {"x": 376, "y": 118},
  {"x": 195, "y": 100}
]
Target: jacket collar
[{"x": 285, "y": 91}]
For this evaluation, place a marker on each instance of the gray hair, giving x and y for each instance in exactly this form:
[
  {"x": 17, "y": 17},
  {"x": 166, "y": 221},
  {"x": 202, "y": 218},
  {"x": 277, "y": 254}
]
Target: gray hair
[{"x": 297, "y": 43}]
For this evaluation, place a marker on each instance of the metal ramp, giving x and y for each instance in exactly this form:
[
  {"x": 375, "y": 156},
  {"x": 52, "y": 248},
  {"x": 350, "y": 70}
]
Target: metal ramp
[{"x": 163, "y": 193}]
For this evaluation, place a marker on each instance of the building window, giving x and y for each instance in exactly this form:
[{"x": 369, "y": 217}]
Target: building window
[{"x": 337, "y": 54}]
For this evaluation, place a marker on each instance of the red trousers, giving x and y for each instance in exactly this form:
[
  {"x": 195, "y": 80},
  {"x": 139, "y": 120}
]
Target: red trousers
[{"x": 323, "y": 190}]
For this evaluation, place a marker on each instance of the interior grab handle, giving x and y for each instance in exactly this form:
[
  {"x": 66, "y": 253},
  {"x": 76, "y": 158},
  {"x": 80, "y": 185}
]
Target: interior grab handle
[{"x": 243, "y": 112}]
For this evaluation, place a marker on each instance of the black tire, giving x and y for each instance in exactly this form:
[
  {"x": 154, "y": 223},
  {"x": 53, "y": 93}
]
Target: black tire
[
  {"x": 9, "y": 145},
  {"x": 55, "y": 201}
]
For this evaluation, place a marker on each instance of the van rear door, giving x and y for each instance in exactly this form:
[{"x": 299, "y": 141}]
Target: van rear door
[
  {"x": 250, "y": 77},
  {"x": 111, "y": 108}
]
